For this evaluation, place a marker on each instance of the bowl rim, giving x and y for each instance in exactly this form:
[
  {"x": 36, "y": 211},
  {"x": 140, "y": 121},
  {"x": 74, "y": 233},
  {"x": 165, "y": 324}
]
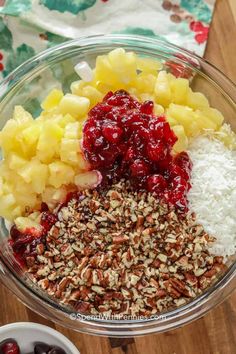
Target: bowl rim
[
  {"x": 42, "y": 328},
  {"x": 86, "y": 40},
  {"x": 189, "y": 308}
]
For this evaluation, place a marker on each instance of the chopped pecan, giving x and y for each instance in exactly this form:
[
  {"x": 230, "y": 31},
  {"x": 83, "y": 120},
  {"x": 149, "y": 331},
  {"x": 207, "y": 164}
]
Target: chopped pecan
[{"x": 119, "y": 251}]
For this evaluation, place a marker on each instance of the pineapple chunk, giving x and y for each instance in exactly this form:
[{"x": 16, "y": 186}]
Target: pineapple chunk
[
  {"x": 39, "y": 177},
  {"x": 92, "y": 94},
  {"x": 82, "y": 163},
  {"x": 36, "y": 173},
  {"x": 30, "y": 135},
  {"x": 15, "y": 162},
  {"x": 4, "y": 168},
  {"x": 76, "y": 106},
  {"x": 146, "y": 97},
  {"x": 17, "y": 211},
  {"x": 69, "y": 151},
  {"x": 185, "y": 117},
  {"x": 158, "y": 109},
  {"x": 123, "y": 64},
  {"x": 148, "y": 64},
  {"x": 52, "y": 196},
  {"x": 62, "y": 121},
  {"x": 182, "y": 142},
  {"x": 24, "y": 194},
  {"x": 162, "y": 89},
  {"x": 7, "y": 205},
  {"x": 72, "y": 130},
  {"x": 21, "y": 116},
  {"x": 117, "y": 70},
  {"x": 105, "y": 73},
  {"x": 145, "y": 83},
  {"x": 35, "y": 216},
  {"x": 214, "y": 115},
  {"x": 88, "y": 179},
  {"x": 203, "y": 121},
  {"x": 8, "y": 200},
  {"x": 8, "y": 137},
  {"x": 104, "y": 88},
  {"x": 49, "y": 141},
  {"x": 197, "y": 100},
  {"x": 24, "y": 223},
  {"x": 52, "y": 100},
  {"x": 117, "y": 57},
  {"x": 77, "y": 87},
  {"x": 60, "y": 173},
  {"x": 171, "y": 121},
  {"x": 179, "y": 89}
]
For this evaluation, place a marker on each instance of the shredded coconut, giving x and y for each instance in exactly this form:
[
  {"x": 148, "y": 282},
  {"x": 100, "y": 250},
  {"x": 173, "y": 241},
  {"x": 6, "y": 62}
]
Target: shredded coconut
[{"x": 213, "y": 193}]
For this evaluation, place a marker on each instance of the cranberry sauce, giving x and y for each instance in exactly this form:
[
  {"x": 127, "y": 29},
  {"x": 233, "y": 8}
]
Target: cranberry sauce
[{"x": 123, "y": 138}]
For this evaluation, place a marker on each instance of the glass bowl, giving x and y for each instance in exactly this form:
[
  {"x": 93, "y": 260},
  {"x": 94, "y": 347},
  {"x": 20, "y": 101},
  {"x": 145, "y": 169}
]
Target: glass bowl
[{"x": 28, "y": 85}]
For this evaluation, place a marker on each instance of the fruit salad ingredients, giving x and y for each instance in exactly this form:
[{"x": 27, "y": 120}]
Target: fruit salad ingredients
[
  {"x": 120, "y": 252},
  {"x": 122, "y": 138},
  {"x": 41, "y": 157},
  {"x": 213, "y": 193},
  {"x": 144, "y": 78}
]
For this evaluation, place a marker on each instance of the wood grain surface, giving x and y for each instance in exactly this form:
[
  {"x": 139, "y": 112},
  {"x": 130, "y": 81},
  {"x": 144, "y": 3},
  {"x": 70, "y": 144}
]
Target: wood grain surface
[{"x": 216, "y": 332}]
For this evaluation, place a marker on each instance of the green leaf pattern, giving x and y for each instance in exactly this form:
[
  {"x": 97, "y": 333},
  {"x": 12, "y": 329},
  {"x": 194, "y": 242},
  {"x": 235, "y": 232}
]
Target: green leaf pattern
[
  {"x": 198, "y": 8},
  {"x": 17, "y": 57},
  {"x": 5, "y": 36},
  {"x": 15, "y": 7},
  {"x": 73, "y": 6}
]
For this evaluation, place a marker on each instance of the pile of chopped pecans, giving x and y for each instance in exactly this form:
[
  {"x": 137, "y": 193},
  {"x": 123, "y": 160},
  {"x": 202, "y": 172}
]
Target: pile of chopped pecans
[{"x": 122, "y": 252}]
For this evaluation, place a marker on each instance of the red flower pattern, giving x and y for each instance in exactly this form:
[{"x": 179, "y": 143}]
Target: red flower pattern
[
  {"x": 181, "y": 70},
  {"x": 200, "y": 30}
]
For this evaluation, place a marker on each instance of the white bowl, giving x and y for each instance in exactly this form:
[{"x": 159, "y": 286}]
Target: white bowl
[{"x": 27, "y": 333}]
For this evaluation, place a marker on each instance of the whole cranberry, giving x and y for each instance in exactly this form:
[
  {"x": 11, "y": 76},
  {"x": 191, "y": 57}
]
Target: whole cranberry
[
  {"x": 156, "y": 151},
  {"x": 57, "y": 350},
  {"x": 156, "y": 183},
  {"x": 147, "y": 107},
  {"x": 48, "y": 220},
  {"x": 112, "y": 133},
  {"x": 41, "y": 348},
  {"x": 183, "y": 161},
  {"x": 10, "y": 346},
  {"x": 176, "y": 170},
  {"x": 139, "y": 168},
  {"x": 15, "y": 233}
]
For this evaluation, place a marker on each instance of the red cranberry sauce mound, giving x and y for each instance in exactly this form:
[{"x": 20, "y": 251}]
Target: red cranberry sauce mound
[{"x": 123, "y": 138}]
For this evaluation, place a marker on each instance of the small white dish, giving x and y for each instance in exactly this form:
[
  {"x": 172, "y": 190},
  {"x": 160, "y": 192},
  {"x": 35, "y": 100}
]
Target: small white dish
[{"x": 27, "y": 333}]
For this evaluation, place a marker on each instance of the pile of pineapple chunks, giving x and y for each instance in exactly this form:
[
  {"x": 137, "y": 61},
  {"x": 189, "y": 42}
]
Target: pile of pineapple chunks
[{"x": 42, "y": 156}]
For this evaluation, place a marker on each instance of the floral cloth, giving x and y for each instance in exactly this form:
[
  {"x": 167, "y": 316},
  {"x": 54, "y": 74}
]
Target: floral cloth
[{"x": 29, "y": 26}]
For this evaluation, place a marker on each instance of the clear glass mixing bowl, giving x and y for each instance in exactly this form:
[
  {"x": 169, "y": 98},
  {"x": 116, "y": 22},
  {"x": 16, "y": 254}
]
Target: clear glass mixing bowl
[{"x": 28, "y": 85}]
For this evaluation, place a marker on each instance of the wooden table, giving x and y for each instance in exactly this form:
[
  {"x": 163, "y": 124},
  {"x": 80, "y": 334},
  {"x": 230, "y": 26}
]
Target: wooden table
[{"x": 216, "y": 332}]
